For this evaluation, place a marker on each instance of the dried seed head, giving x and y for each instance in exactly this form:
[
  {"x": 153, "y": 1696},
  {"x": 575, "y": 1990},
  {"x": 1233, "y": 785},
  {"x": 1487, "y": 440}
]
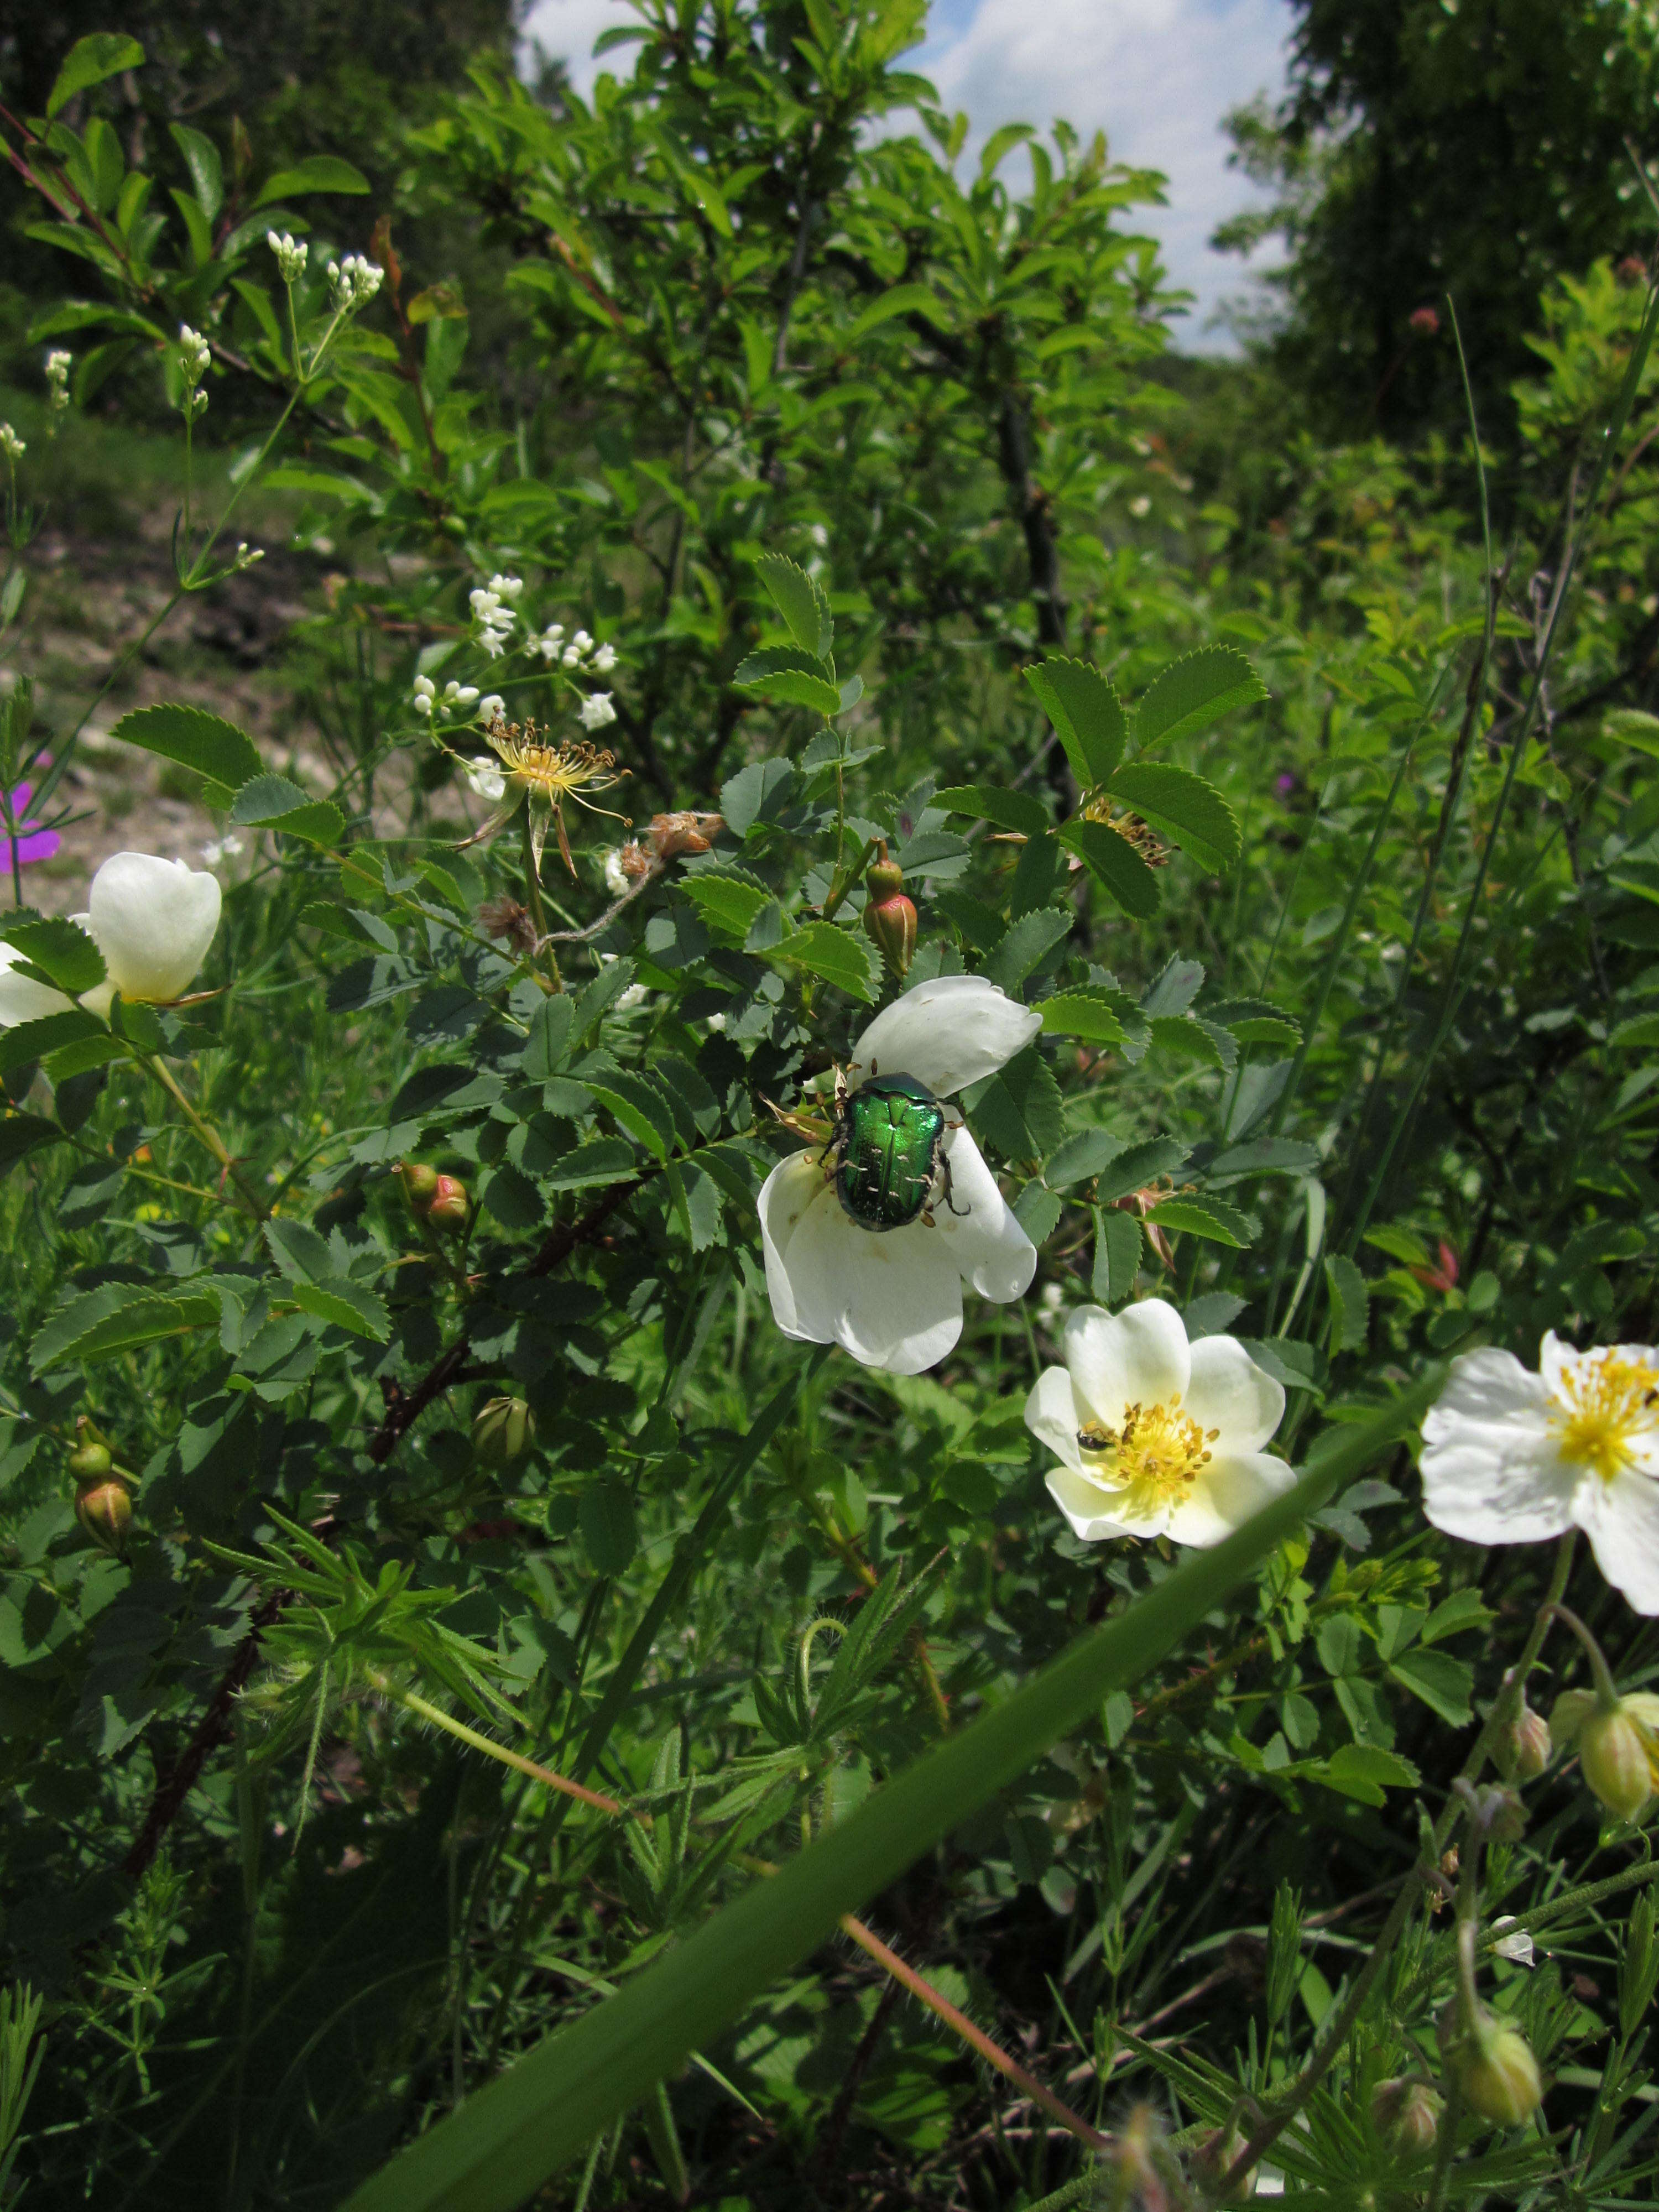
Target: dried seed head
[
  {"x": 672, "y": 836},
  {"x": 509, "y": 923}
]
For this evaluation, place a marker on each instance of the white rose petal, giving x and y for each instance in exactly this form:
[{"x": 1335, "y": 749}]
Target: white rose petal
[
  {"x": 1510, "y": 1457},
  {"x": 947, "y": 1033},
  {"x": 21, "y": 1000},
  {"x": 1157, "y": 1437},
  {"x": 486, "y": 779},
  {"x": 153, "y": 921}
]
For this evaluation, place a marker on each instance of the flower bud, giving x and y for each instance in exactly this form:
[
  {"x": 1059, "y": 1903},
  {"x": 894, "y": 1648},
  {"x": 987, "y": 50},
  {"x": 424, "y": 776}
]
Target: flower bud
[
  {"x": 889, "y": 918},
  {"x": 90, "y": 1462},
  {"x": 104, "y": 1508},
  {"x": 503, "y": 1432},
  {"x": 448, "y": 1208},
  {"x": 420, "y": 1184},
  {"x": 1522, "y": 1750},
  {"x": 1496, "y": 2070},
  {"x": 1211, "y": 2159},
  {"x": 1406, "y": 2114},
  {"x": 1614, "y": 1759}
]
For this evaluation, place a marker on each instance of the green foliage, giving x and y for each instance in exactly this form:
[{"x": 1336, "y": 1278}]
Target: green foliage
[{"x": 391, "y": 1817}]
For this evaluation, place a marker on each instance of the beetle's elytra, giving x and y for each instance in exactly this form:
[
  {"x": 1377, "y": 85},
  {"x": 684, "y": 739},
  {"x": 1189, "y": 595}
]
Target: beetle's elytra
[{"x": 888, "y": 1141}]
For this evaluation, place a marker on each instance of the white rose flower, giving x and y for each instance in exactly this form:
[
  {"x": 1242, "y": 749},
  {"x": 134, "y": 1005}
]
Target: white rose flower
[
  {"x": 152, "y": 920},
  {"x": 893, "y": 1297},
  {"x": 486, "y": 779},
  {"x": 1510, "y": 1457},
  {"x": 1159, "y": 1436}
]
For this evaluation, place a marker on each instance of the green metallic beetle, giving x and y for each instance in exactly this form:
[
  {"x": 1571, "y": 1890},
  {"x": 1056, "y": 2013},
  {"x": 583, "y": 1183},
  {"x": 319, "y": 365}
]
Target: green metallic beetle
[{"x": 888, "y": 1151}]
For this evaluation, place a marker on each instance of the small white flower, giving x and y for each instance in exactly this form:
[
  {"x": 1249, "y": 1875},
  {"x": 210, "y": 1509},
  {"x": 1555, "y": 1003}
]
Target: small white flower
[
  {"x": 494, "y": 708},
  {"x": 615, "y": 876},
  {"x": 485, "y": 777},
  {"x": 354, "y": 280},
  {"x": 717, "y": 1023},
  {"x": 570, "y": 658},
  {"x": 290, "y": 257},
  {"x": 492, "y": 642},
  {"x": 1157, "y": 1437},
  {"x": 605, "y": 659},
  {"x": 221, "y": 849},
  {"x": 460, "y": 695},
  {"x": 633, "y": 996},
  {"x": 1141, "y": 506},
  {"x": 550, "y": 642},
  {"x": 893, "y": 1297},
  {"x": 596, "y": 713},
  {"x": 1516, "y": 1947},
  {"x": 11, "y": 444},
  {"x": 424, "y": 694},
  {"x": 197, "y": 354},
  {"x": 1052, "y": 1298},
  {"x": 245, "y": 556},
  {"x": 581, "y": 641},
  {"x": 507, "y": 588},
  {"x": 1510, "y": 1457},
  {"x": 483, "y": 602},
  {"x": 152, "y": 920},
  {"x": 58, "y": 370}
]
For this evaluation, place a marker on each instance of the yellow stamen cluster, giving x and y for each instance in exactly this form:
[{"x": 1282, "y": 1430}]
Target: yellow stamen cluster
[
  {"x": 1098, "y": 807},
  {"x": 1606, "y": 1408},
  {"x": 1158, "y": 1452},
  {"x": 552, "y": 773}
]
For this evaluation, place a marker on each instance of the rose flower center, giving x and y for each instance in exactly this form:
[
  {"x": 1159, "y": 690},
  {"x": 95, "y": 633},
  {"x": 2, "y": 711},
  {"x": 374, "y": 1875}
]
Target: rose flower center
[
  {"x": 1605, "y": 1409},
  {"x": 1157, "y": 1454}
]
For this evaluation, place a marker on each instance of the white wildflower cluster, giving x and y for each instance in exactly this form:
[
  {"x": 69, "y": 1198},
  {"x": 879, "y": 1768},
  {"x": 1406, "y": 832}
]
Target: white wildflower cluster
[
  {"x": 354, "y": 280},
  {"x": 11, "y": 444},
  {"x": 456, "y": 699},
  {"x": 246, "y": 554},
  {"x": 195, "y": 354},
  {"x": 58, "y": 370},
  {"x": 492, "y": 605},
  {"x": 291, "y": 256},
  {"x": 221, "y": 849}
]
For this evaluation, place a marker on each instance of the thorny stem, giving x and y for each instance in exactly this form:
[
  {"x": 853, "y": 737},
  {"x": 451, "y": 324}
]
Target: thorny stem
[
  {"x": 208, "y": 1135},
  {"x": 1336, "y": 2033},
  {"x": 959, "y": 2023},
  {"x": 415, "y": 1703}
]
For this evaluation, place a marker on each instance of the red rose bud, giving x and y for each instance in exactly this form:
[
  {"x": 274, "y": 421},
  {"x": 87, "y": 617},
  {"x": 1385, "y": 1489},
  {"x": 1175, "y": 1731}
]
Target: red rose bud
[
  {"x": 90, "y": 1462},
  {"x": 449, "y": 1208},
  {"x": 503, "y": 1431},
  {"x": 104, "y": 1508},
  {"x": 889, "y": 918},
  {"x": 420, "y": 1185}
]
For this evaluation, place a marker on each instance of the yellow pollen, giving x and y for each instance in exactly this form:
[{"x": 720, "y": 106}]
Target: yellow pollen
[
  {"x": 552, "y": 772},
  {"x": 1156, "y": 1454},
  {"x": 1605, "y": 1408}
]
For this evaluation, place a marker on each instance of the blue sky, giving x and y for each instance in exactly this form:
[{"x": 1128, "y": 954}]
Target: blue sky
[{"x": 1156, "y": 75}]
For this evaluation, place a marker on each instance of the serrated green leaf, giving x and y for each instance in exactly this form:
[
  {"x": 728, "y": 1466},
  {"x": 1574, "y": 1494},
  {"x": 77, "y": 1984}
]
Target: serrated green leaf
[
  {"x": 727, "y": 899},
  {"x": 33, "y": 1040},
  {"x": 777, "y": 660},
  {"x": 1350, "y": 1303},
  {"x": 1194, "y": 692},
  {"x": 985, "y": 802},
  {"x": 89, "y": 61},
  {"x": 117, "y": 1317},
  {"x": 790, "y": 688},
  {"x": 1087, "y": 716},
  {"x": 822, "y": 950},
  {"x": 345, "y": 1304},
  {"x": 801, "y": 602},
  {"x": 23, "y": 1133},
  {"x": 272, "y": 802},
  {"x": 1084, "y": 1154},
  {"x": 1443, "y": 1684},
  {"x": 1080, "y": 1014},
  {"x": 195, "y": 740},
  {"x": 60, "y": 952},
  {"x": 1211, "y": 1219},
  {"x": 1141, "y": 1164},
  {"x": 1187, "y": 808},
  {"x": 638, "y": 1108},
  {"x": 1117, "y": 1256},
  {"x": 1019, "y": 1108},
  {"x": 1114, "y": 863},
  {"x": 1026, "y": 945}
]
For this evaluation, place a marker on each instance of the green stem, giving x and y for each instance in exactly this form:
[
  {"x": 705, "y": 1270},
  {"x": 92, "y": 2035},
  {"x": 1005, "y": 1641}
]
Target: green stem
[
  {"x": 533, "y": 897},
  {"x": 459, "y": 1730},
  {"x": 210, "y": 1136},
  {"x": 1606, "y": 1689},
  {"x": 1340, "y": 2024}
]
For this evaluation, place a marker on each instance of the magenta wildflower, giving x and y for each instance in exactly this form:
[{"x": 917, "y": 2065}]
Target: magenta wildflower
[{"x": 34, "y": 843}]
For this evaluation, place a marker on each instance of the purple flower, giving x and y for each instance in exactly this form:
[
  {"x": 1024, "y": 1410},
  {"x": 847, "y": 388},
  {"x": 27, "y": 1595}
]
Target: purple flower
[
  {"x": 34, "y": 843},
  {"x": 1284, "y": 784}
]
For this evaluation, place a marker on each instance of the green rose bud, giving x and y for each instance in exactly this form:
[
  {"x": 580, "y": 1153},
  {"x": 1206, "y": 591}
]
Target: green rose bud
[
  {"x": 449, "y": 1208},
  {"x": 1616, "y": 1745},
  {"x": 1406, "y": 2114},
  {"x": 1523, "y": 1750},
  {"x": 104, "y": 1508},
  {"x": 889, "y": 918},
  {"x": 503, "y": 1432},
  {"x": 90, "y": 1462},
  {"x": 1496, "y": 2071},
  {"x": 420, "y": 1185}
]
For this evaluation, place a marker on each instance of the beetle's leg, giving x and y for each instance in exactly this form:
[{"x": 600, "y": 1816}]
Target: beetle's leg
[
  {"x": 950, "y": 1124},
  {"x": 961, "y": 1212}
]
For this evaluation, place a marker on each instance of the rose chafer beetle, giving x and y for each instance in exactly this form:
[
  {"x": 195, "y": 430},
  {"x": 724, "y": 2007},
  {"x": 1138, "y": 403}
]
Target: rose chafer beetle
[{"x": 888, "y": 1152}]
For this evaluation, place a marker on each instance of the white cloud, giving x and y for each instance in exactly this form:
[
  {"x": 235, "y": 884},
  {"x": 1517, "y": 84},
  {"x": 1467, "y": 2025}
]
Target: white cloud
[{"x": 1156, "y": 76}]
